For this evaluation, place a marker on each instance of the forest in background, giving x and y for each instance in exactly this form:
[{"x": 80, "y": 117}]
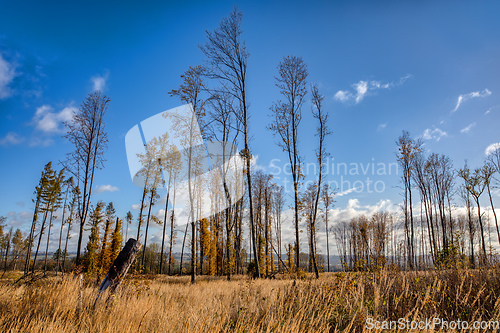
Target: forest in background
[{"x": 442, "y": 222}]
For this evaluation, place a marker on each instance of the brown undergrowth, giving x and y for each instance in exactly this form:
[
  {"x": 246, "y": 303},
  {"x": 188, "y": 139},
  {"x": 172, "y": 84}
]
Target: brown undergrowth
[{"x": 337, "y": 302}]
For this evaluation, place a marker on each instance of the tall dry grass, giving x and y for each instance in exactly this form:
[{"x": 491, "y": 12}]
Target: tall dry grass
[{"x": 335, "y": 302}]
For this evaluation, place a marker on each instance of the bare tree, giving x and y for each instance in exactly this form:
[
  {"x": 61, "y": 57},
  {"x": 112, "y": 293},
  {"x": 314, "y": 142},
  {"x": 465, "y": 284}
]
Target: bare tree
[
  {"x": 72, "y": 206},
  {"x": 308, "y": 206},
  {"x": 31, "y": 235},
  {"x": 475, "y": 185},
  {"x": 170, "y": 165},
  {"x": 278, "y": 204},
  {"x": 488, "y": 171},
  {"x": 421, "y": 178},
  {"x": 321, "y": 132},
  {"x": 287, "y": 116},
  {"x": 407, "y": 150},
  {"x": 128, "y": 221},
  {"x": 225, "y": 128},
  {"x": 227, "y": 57},
  {"x": 86, "y": 131},
  {"x": 190, "y": 91},
  {"x": 69, "y": 184},
  {"x": 327, "y": 199},
  {"x": 155, "y": 150},
  {"x": 465, "y": 195}
]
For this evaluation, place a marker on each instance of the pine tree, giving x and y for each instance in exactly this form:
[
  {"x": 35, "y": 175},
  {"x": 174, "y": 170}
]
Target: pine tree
[
  {"x": 50, "y": 190},
  {"x": 91, "y": 261},
  {"x": 19, "y": 245},
  {"x": 116, "y": 240},
  {"x": 56, "y": 200},
  {"x": 105, "y": 255}
]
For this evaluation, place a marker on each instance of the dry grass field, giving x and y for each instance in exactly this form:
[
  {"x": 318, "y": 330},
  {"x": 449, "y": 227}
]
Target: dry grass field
[{"x": 337, "y": 302}]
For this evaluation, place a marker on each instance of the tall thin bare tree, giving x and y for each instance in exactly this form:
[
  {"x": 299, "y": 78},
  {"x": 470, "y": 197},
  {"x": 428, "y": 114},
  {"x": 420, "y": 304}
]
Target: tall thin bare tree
[
  {"x": 321, "y": 132},
  {"x": 190, "y": 91},
  {"x": 291, "y": 80},
  {"x": 475, "y": 185},
  {"x": 327, "y": 197},
  {"x": 227, "y": 57},
  {"x": 86, "y": 131}
]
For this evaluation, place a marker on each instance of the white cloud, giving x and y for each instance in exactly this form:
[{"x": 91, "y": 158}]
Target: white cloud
[
  {"x": 433, "y": 134},
  {"x": 50, "y": 122},
  {"x": 11, "y": 139},
  {"x": 99, "y": 82},
  {"x": 40, "y": 142},
  {"x": 492, "y": 148},
  {"x": 135, "y": 207},
  {"x": 468, "y": 128},
  {"x": 341, "y": 194},
  {"x": 488, "y": 111},
  {"x": 7, "y": 74},
  {"x": 364, "y": 88},
  {"x": 342, "y": 95},
  {"x": 255, "y": 166},
  {"x": 474, "y": 94},
  {"x": 361, "y": 90},
  {"x": 106, "y": 188},
  {"x": 381, "y": 126}
]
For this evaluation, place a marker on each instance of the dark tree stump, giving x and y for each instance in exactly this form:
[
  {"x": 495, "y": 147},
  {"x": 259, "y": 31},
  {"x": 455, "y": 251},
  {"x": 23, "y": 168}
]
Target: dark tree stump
[{"x": 120, "y": 266}]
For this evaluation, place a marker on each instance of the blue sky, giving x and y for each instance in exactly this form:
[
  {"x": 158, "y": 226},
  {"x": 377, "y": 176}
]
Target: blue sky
[{"x": 382, "y": 66}]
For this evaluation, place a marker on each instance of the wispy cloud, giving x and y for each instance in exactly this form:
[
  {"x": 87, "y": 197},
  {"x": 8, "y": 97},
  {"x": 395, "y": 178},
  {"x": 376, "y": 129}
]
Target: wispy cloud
[
  {"x": 99, "y": 82},
  {"x": 488, "y": 111},
  {"x": 474, "y": 94},
  {"x": 50, "y": 122},
  {"x": 346, "y": 192},
  {"x": 135, "y": 206},
  {"x": 433, "y": 134},
  {"x": 255, "y": 166},
  {"x": 107, "y": 188},
  {"x": 7, "y": 75},
  {"x": 492, "y": 148},
  {"x": 40, "y": 142},
  {"x": 11, "y": 139},
  {"x": 364, "y": 88},
  {"x": 381, "y": 126},
  {"x": 468, "y": 128}
]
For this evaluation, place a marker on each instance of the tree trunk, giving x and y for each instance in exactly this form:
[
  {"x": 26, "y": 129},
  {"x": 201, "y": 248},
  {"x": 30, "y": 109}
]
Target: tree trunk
[
  {"x": 182, "y": 251},
  {"x": 164, "y": 229},
  {"x": 171, "y": 242},
  {"x": 47, "y": 247},
  {"x": 147, "y": 227},
  {"x": 120, "y": 267},
  {"x": 193, "y": 252},
  {"x": 39, "y": 241},
  {"x": 493, "y": 209}
]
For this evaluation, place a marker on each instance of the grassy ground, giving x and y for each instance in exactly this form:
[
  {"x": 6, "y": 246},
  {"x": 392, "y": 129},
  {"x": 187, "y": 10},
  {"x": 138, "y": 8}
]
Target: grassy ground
[{"x": 335, "y": 302}]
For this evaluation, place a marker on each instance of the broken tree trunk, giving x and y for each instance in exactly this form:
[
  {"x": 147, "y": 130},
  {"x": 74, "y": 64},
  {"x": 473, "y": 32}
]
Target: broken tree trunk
[{"x": 120, "y": 267}]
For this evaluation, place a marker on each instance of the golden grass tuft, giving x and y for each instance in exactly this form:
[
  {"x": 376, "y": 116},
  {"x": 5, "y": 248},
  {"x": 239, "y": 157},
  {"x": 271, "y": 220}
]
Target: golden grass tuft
[{"x": 334, "y": 303}]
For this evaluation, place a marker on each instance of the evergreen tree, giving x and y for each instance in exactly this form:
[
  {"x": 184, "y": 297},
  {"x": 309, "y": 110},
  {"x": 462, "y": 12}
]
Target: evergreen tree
[
  {"x": 56, "y": 200},
  {"x": 105, "y": 255},
  {"x": 116, "y": 240},
  {"x": 91, "y": 256},
  {"x": 19, "y": 246},
  {"x": 50, "y": 200}
]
